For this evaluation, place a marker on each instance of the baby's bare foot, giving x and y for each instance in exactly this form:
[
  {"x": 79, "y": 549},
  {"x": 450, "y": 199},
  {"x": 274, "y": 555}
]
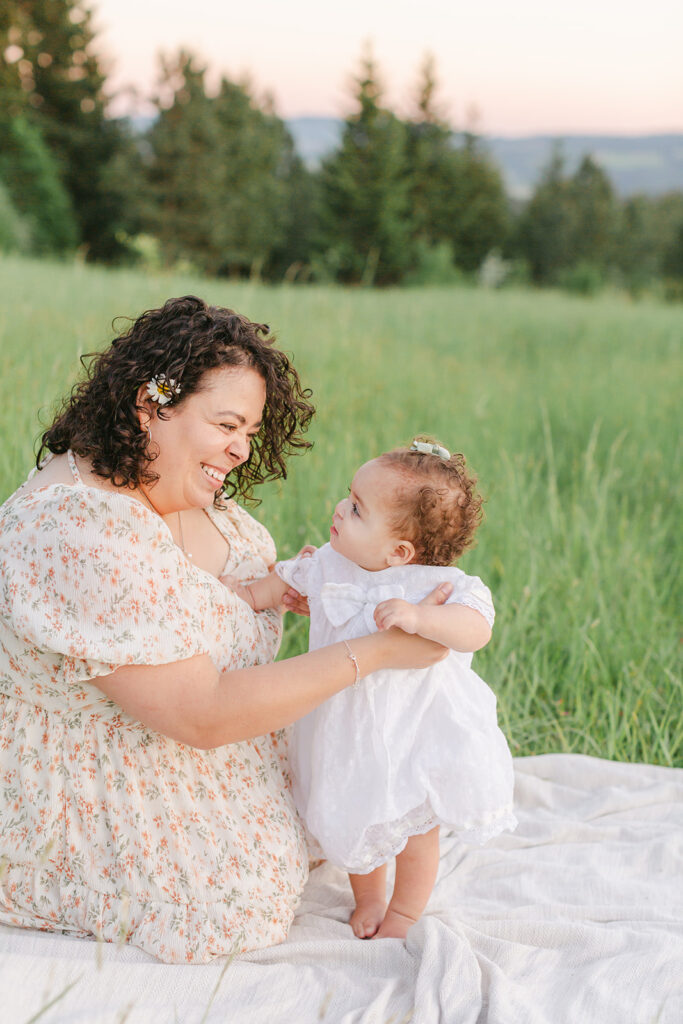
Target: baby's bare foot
[
  {"x": 367, "y": 917},
  {"x": 394, "y": 926}
]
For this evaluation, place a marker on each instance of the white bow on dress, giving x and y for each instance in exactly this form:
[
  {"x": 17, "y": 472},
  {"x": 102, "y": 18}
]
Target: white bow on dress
[{"x": 341, "y": 601}]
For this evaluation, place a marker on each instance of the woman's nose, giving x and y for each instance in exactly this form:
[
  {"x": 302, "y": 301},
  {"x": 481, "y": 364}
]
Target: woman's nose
[{"x": 240, "y": 447}]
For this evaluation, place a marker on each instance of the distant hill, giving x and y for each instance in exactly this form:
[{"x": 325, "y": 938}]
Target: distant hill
[{"x": 651, "y": 164}]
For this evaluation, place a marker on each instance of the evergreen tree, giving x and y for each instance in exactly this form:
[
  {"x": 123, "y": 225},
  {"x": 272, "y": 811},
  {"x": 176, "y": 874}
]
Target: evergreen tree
[
  {"x": 635, "y": 249},
  {"x": 594, "y": 215},
  {"x": 186, "y": 198},
  {"x": 479, "y": 215},
  {"x": 32, "y": 180},
  {"x": 258, "y": 161},
  {"x": 15, "y": 235},
  {"x": 545, "y": 228},
  {"x": 221, "y": 175},
  {"x": 672, "y": 259},
  {"x": 291, "y": 259},
  {"x": 666, "y": 219},
  {"x": 52, "y": 76},
  {"x": 431, "y": 160},
  {"x": 365, "y": 191},
  {"x": 457, "y": 194}
]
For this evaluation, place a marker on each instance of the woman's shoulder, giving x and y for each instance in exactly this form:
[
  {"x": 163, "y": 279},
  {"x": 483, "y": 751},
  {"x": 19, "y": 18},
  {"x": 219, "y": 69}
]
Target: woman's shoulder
[
  {"x": 54, "y": 470},
  {"x": 76, "y": 508}
]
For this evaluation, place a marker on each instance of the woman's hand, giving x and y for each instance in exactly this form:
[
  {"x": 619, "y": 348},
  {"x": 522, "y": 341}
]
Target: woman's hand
[
  {"x": 293, "y": 600},
  {"x": 296, "y": 602}
]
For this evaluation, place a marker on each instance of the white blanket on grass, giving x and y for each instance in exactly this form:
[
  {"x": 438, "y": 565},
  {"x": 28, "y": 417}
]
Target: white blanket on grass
[{"x": 576, "y": 917}]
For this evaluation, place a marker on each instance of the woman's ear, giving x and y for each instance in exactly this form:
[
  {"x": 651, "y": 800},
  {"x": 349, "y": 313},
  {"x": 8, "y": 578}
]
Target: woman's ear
[
  {"x": 402, "y": 553},
  {"x": 145, "y": 407}
]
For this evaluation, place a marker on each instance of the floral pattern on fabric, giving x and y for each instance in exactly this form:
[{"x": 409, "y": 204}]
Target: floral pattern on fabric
[{"x": 106, "y": 827}]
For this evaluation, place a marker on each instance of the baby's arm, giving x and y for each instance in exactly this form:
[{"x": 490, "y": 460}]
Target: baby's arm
[
  {"x": 269, "y": 591},
  {"x": 454, "y": 625},
  {"x": 260, "y": 594}
]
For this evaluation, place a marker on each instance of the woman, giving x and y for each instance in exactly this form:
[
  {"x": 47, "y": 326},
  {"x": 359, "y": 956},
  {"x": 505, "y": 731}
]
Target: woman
[{"x": 126, "y": 666}]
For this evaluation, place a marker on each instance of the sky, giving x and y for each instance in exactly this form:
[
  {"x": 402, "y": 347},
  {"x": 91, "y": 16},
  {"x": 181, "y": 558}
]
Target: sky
[{"x": 505, "y": 67}]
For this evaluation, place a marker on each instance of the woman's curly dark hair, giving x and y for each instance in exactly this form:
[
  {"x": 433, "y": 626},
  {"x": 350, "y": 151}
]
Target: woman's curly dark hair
[
  {"x": 436, "y": 505},
  {"x": 184, "y": 340}
]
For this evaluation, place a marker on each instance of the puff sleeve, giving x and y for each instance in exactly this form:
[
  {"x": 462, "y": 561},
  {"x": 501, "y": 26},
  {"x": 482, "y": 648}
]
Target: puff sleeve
[
  {"x": 470, "y": 591},
  {"x": 95, "y": 579},
  {"x": 297, "y": 572}
]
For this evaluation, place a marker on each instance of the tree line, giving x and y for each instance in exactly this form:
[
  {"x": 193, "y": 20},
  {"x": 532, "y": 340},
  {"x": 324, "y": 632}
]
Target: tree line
[{"x": 214, "y": 182}]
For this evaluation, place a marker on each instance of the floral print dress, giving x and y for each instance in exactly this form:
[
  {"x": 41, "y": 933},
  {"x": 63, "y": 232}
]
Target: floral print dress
[{"x": 106, "y": 827}]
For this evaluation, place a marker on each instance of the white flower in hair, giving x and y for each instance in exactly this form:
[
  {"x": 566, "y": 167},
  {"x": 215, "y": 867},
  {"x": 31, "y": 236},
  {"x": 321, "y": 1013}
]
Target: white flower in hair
[{"x": 162, "y": 389}]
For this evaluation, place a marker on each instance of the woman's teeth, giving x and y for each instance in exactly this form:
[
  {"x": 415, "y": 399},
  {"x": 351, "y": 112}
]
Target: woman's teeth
[{"x": 214, "y": 474}]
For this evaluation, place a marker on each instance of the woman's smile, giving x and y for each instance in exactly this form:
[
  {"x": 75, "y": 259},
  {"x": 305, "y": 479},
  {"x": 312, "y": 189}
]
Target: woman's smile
[{"x": 215, "y": 475}]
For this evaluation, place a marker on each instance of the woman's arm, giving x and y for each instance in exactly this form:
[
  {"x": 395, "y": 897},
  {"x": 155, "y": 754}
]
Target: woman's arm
[
  {"x": 190, "y": 701},
  {"x": 455, "y": 625}
]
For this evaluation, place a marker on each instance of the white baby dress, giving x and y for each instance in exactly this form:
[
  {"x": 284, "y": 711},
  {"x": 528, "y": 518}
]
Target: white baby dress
[{"x": 404, "y": 750}]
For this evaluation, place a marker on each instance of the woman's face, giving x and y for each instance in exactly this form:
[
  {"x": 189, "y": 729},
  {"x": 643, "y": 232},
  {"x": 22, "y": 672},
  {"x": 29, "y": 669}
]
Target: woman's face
[{"x": 205, "y": 438}]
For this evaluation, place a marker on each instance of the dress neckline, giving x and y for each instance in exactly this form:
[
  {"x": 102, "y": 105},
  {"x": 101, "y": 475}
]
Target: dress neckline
[{"x": 79, "y": 482}]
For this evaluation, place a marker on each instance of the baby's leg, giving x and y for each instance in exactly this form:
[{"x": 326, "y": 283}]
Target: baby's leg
[
  {"x": 416, "y": 868},
  {"x": 370, "y": 893}
]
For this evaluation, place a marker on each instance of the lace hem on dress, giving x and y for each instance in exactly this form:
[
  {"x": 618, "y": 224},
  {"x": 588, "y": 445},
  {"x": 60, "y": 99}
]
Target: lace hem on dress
[{"x": 382, "y": 842}]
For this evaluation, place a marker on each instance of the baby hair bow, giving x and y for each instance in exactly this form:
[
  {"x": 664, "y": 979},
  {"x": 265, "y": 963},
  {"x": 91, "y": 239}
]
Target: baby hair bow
[
  {"x": 426, "y": 448},
  {"x": 341, "y": 601}
]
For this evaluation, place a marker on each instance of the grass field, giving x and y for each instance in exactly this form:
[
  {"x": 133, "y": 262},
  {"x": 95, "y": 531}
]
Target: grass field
[{"x": 566, "y": 407}]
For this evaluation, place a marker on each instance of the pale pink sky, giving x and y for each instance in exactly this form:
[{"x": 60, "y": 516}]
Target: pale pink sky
[{"x": 526, "y": 65}]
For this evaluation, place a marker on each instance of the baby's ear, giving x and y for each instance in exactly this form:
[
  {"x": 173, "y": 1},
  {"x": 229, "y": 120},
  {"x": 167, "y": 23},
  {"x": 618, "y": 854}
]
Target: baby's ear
[{"x": 402, "y": 553}]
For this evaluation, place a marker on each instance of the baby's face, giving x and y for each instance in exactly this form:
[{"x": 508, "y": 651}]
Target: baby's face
[{"x": 361, "y": 529}]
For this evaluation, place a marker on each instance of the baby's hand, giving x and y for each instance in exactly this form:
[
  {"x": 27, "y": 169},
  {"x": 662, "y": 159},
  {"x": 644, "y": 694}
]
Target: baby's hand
[{"x": 397, "y": 613}]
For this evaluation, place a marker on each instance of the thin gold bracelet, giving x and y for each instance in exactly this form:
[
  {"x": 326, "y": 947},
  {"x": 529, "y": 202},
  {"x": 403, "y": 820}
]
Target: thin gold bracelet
[{"x": 352, "y": 657}]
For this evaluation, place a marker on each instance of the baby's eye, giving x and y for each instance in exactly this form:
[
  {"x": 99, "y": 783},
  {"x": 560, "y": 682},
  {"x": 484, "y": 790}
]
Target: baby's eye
[{"x": 354, "y": 509}]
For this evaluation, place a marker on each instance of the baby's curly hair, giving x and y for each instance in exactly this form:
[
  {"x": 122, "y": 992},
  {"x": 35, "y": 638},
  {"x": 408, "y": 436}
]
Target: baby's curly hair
[
  {"x": 436, "y": 505},
  {"x": 184, "y": 339}
]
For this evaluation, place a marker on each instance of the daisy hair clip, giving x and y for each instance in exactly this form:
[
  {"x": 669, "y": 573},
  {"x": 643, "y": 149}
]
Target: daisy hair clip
[{"x": 163, "y": 389}]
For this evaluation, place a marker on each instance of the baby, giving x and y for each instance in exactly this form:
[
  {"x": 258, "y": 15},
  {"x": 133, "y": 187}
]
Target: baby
[{"x": 380, "y": 766}]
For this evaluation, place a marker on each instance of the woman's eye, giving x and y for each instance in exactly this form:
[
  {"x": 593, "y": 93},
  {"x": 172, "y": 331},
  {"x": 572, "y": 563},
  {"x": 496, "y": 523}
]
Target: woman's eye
[{"x": 228, "y": 426}]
